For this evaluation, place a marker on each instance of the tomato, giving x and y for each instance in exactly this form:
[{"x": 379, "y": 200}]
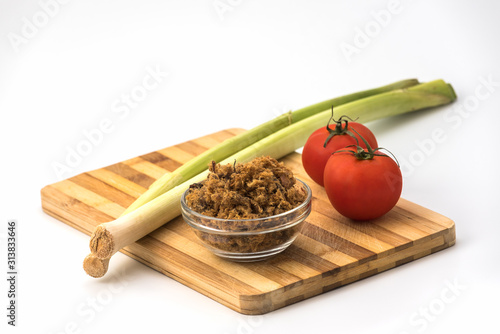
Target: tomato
[
  {"x": 362, "y": 189},
  {"x": 315, "y": 155}
]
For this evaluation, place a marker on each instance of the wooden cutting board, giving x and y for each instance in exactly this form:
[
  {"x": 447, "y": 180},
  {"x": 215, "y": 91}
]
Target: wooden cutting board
[{"x": 330, "y": 252}]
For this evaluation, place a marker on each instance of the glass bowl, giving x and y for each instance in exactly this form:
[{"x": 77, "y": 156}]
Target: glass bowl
[{"x": 247, "y": 240}]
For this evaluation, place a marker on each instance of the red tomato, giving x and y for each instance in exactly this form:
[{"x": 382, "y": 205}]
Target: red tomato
[
  {"x": 315, "y": 155},
  {"x": 362, "y": 189}
]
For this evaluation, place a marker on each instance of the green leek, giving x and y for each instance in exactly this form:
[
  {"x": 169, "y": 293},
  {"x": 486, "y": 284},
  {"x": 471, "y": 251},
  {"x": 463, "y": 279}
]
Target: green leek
[{"x": 111, "y": 237}]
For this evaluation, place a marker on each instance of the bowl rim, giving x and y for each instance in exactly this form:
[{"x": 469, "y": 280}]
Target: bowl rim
[{"x": 306, "y": 203}]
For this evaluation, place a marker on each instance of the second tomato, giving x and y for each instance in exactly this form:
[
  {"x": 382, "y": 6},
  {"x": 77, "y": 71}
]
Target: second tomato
[{"x": 362, "y": 185}]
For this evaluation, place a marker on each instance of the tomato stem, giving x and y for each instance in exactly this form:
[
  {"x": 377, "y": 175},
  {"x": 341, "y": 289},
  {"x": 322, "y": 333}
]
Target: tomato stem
[
  {"x": 364, "y": 155},
  {"x": 369, "y": 153},
  {"x": 338, "y": 129}
]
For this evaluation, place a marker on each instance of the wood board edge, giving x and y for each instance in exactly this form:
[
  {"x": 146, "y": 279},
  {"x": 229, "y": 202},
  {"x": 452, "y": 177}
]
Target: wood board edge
[{"x": 260, "y": 304}]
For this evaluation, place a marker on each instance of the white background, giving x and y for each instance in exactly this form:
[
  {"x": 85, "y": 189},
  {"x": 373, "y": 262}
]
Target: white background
[{"x": 238, "y": 66}]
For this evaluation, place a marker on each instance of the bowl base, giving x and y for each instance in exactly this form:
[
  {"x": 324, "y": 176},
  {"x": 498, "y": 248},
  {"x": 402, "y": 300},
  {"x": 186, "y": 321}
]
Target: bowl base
[{"x": 251, "y": 257}]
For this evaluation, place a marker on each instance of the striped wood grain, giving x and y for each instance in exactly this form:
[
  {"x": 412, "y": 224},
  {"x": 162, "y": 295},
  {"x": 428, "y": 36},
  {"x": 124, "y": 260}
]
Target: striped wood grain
[{"x": 330, "y": 252}]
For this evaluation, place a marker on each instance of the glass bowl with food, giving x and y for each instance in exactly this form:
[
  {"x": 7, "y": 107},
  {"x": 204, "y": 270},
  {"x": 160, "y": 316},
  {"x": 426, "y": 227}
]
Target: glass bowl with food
[{"x": 247, "y": 212}]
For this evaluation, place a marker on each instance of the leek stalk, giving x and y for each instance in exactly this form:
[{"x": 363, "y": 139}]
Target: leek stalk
[{"x": 109, "y": 238}]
